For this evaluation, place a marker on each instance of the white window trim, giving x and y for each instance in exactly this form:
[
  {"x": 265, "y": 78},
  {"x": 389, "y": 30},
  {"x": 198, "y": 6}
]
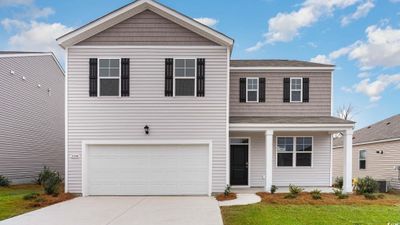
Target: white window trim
[
  {"x": 111, "y": 78},
  {"x": 247, "y": 88},
  {"x": 294, "y": 152},
  {"x": 359, "y": 159},
  {"x": 301, "y": 89},
  {"x": 248, "y": 158},
  {"x": 189, "y": 78}
]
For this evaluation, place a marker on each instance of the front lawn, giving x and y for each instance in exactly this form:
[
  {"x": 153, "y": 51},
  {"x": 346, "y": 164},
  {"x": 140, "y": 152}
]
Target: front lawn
[
  {"x": 274, "y": 210},
  {"x": 13, "y": 204}
]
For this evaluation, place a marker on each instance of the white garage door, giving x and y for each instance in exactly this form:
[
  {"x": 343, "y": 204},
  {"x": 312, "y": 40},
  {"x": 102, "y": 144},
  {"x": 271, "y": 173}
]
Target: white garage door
[{"x": 147, "y": 170}]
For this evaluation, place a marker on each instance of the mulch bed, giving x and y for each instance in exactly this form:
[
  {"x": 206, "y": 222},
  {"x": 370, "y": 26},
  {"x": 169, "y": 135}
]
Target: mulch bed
[
  {"x": 44, "y": 200},
  {"x": 223, "y": 197},
  {"x": 327, "y": 199}
]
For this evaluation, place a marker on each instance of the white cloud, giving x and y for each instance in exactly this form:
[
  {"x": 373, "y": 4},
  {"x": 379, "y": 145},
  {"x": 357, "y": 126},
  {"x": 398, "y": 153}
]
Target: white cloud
[
  {"x": 35, "y": 12},
  {"x": 363, "y": 75},
  {"x": 330, "y": 59},
  {"x": 15, "y": 2},
  {"x": 321, "y": 59},
  {"x": 284, "y": 27},
  {"x": 11, "y": 24},
  {"x": 361, "y": 11},
  {"x": 374, "y": 89},
  {"x": 382, "y": 48},
  {"x": 37, "y": 36},
  {"x": 346, "y": 89},
  {"x": 207, "y": 21}
]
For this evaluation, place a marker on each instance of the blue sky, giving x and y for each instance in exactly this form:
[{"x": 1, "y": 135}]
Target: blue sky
[{"x": 361, "y": 37}]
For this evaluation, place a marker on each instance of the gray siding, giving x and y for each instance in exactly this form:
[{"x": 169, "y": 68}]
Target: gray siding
[
  {"x": 318, "y": 175},
  {"x": 31, "y": 121},
  {"x": 147, "y": 28},
  {"x": 169, "y": 118},
  {"x": 320, "y": 95},
  {"x": 379, "y": 166}
]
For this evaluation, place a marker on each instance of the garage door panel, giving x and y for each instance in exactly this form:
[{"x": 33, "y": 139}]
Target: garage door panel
[{"x": 148, "y": 170}]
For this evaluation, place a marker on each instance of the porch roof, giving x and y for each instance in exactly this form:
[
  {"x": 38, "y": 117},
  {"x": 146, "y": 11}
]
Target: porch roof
[{"x": 289, "y": 120}]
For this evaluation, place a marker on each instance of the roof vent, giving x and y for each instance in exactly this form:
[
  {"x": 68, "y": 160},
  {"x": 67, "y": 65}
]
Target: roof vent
[
  {"x": 369, "y": 127},
  {"x": 388, "y": 123}
]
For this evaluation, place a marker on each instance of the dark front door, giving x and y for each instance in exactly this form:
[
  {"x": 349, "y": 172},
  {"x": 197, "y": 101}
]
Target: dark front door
[{"x": 239, "y": 164}]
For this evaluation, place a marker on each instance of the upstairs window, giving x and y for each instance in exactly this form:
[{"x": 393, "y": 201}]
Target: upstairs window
[
  {"x": 294, "y": 151},
  {"x": 109, "y": 77},
  {"x": 185, "y": 77},
  {"x": 363, "y": 159},
  {"x": 296, "y": 89},
  {"x": 252, "y": 89}
]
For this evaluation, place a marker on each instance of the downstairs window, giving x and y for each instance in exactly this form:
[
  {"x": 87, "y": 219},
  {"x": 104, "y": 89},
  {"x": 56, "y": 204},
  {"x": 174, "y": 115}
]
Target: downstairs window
[{"x": 294, "y": 151}]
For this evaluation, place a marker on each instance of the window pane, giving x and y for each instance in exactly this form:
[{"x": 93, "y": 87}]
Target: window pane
[
  {"x": 239, "y": 141},
  {"x": 281, "y": 141},
  {"x": 114, "y": 72},
  {"x": 179, "y": 72},
  {"x": 180, "y": 63},
  {"x": 184, "y": 87},
  {"x": 190, "y": 73},
  {"x": 103, "y": 73},
  {"x": 252, "y": 96},
  {"x": 362, "y": 154},
  {"x": 285, "y": 159},
  {"x": 190, "y": 63},
  {"x": 296, "y": 96},
  {"x": 104, "y": 63},
  {"x": 114, "y": 62},
  {"x": 109, "y": 87},
  {"x": 303, "y": 159},
  {"x": 363, "y": 164},
  {"x": 252, "y": 84}
]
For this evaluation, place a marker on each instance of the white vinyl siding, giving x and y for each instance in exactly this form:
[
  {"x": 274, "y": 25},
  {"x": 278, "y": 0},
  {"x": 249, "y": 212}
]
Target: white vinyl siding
[{"x": 168, "y": 118}]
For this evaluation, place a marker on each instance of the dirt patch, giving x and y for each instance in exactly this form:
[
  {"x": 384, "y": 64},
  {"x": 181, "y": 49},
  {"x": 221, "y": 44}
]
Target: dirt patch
[
  {"x": 223, "y": 197},
  {"x": 327, "y": 199},
  {"x": 44, "y": 200}
]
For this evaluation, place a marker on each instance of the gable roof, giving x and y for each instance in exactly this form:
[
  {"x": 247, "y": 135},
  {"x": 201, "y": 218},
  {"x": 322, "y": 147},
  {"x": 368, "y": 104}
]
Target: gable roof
[
  {"x": 387, "y": 129},
  {"x": 134, "y": 8},
  {"x": 276, "y": 63}
]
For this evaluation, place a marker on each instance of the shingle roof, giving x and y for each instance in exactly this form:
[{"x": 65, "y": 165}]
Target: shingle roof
[
  {"x": 19, "y": 52},
  {"x": 288, "y": 120},
  {"x": 276, "y": 63},
  {"x": 382, "y": 130}
]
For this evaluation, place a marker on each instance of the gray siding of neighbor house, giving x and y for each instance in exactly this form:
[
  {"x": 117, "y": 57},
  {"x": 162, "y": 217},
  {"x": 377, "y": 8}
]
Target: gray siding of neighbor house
[
  {"x": 318, "y": 175},
  {"x": 320, "y": 95},
  {"x": 379, "y": 166},
  {"x": 147, "y": 28},
  {"x": 169, "y": 118},
  {"x": 31, "y": 120}
]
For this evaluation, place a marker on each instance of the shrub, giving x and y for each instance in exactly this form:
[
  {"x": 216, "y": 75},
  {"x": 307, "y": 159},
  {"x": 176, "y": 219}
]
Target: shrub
[
  {"x": 50, "y": 180},
  {"x": 295, "y": 190},
  {"x": 343, "y": 196},
  {"x": 366, "y": 185},
  {"x": 316, "y": 194},
  {"x": 227, "y": 190},
  {"x": 4, "y": 181},
  {"x": 31, "y": 196},
  {"x": 370, "y": 196},
  {"x": 338, "y": 182},
  {"x": 273, "y": 189},
  {"x": 339, "y": 193},
  {"x": 290, "y": 196}
]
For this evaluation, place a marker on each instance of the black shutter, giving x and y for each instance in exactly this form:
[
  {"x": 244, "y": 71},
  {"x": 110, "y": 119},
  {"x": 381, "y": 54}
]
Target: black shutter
[
  {"x": 125, "y": 77},
  {"x": 169, "y": 77},
  {"x": 201, "y": 67},
  {"x": 261, "y": 90},
  {"x": 93, "y": 77},
  {"x": 286, "y": 89},
  {"x": 306, "y": 89},
  {"x": 242, "y": 91}
]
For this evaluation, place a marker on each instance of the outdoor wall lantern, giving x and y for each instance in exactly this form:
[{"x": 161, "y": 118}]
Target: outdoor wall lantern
[{"x": 147, "y": 129}]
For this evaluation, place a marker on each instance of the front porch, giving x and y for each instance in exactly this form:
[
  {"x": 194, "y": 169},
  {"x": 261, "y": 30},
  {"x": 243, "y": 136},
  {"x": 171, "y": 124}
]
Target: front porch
[{"x": 268, "y": 151}]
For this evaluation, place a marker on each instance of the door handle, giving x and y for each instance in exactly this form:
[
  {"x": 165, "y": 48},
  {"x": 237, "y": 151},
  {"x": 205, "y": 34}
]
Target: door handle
[{"x": 247, "y": 164}]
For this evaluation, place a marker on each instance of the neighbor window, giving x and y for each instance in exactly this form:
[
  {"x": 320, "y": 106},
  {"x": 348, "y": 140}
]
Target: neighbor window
[
  {"x": 109, "y": 77},
  {"x": 252, "y": 89},
  {"x": 363, "y": 159},
  {"x": 294, "y": 151},
  {"x": 185, "y": 77},
  {"x": 296, "y": 89}
]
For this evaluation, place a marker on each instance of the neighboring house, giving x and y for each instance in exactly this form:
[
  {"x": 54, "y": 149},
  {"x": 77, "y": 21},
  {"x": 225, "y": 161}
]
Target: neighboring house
[
  {"x": 31, "y": 115},
  {"x": 376, "y": 152},
  {"x": 155, "y": 106}
]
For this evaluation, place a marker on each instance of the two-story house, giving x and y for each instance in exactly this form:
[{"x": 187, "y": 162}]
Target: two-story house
[{"x": 156, "y": 106}]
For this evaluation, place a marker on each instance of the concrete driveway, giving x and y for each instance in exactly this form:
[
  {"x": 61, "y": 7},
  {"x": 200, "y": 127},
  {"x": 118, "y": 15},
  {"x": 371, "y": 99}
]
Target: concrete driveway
[{"x": 125, "y": 211}]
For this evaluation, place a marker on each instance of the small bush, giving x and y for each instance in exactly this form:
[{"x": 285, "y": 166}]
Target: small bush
[
  {"x": 50, "y": 180},
  {"x": 316, "y": 194},
  {"x": 31, "y": 196},
  {"x": 339, "y": 193},
  {"x": 290, "y": 196},
  {"x": 40, "y": 199},
  {"x": 43, "y": 175},
  {"x": 4, "y": 181},
  {"x": 366, "y": 185},
  {"x": 273, "y": 189},
  {"x": 295, "y": 190},
  {"x": 380, "y": 196},
  {"x": 343, "y": 196},
  {"x": 338, "y": 182},
  {"x": 370, "y": 196},
  {"x": 227, "y": 190}
]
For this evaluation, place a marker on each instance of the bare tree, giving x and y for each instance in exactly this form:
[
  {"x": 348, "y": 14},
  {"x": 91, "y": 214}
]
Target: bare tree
[{"x": 345, "y": 112}]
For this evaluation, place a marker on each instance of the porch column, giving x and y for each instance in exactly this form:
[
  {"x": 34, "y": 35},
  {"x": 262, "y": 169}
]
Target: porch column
[
  {"x": 348, "y": 161},
  {"x": 268, "y": 159}
]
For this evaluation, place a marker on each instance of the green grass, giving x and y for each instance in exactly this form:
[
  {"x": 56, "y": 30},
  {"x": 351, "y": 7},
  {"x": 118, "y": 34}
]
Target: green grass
[
  {"x": 11, "y": 202},
  {"x": 264, "y": 214}
]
